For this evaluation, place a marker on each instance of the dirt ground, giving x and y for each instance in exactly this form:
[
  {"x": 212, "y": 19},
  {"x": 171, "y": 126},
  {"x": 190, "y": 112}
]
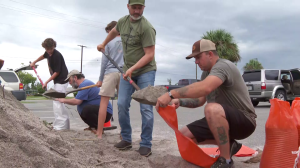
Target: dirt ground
[{"x": 25, "y": 141}]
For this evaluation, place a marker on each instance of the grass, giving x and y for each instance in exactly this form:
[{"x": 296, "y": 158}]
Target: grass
[{"x": 41, "y": 98}]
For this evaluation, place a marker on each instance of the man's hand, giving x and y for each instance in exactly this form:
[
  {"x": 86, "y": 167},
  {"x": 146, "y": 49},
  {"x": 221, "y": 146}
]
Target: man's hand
[
  {"x": 62, "y": 100},
  {"x": 176, "y": 102},
  {"x": 163, "y": 101},
  {"x": 45, "y": 85},
  {"x": 99, "y": 83},
  {"x": 128, "y": 73},
  {"x": 101, "y": 47},
  {"x": 32, "y": 64}
]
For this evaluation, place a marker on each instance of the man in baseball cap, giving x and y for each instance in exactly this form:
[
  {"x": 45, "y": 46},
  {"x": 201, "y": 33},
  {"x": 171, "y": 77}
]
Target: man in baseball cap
[
  {"x": 229, "y": 113},
  {"x": 138, "y": 41},
  {"x": 87, "y": 101},
  {"x": 136, "y": 2}
]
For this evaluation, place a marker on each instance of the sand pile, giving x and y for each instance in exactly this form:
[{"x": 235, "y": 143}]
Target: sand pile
[{"x": 26, "y": 142}]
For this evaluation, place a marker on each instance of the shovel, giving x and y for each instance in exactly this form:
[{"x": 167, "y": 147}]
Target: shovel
[
  {"x": 147, "y": 95},
  {"x": 116, "y": 65},
  {"x": 54, "y": 94}
]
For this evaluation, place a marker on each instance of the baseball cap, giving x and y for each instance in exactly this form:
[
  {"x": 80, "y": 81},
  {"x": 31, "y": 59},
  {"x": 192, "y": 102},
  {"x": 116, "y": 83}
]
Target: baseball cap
[
  {"x": 201, "y": 46},
  {"x": 136, "y": 2},
  {"x": 73, "y": 72}
]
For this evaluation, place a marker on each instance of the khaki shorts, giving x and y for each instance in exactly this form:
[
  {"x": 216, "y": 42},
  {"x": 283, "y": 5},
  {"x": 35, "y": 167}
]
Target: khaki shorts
[{"x": 110, "y": 82}]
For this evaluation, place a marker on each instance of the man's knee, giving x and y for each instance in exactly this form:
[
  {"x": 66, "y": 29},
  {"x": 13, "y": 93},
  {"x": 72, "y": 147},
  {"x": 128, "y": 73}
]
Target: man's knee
[
  {"x": 186, "y": 132},
  {"x": 213, "y": 110}
]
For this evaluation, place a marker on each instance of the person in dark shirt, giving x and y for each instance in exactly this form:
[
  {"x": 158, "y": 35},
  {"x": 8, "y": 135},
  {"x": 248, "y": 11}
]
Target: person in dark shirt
[{"x": 59, "y": 72}]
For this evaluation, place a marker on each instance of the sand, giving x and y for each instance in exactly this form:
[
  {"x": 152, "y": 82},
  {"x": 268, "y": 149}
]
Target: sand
[
  {"x": 25, "y": 141},
  {"x": 149, "y": 94}
]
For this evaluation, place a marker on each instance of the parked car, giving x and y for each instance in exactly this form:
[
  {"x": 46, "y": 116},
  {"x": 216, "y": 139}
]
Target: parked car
[
  {"x": 181, "y": 83},
  {"x": 11, "y": 82},
  {"x": 266, "y": 84}
]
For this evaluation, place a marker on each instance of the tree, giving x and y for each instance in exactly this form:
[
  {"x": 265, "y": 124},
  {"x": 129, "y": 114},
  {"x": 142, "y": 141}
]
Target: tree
[
  {"x": 253, "y": 64},
  {"x": 26, "y": 77},
  {"x": 225, "y": 45},
  {"x": 39, "y": 88},
  {"x": 170, "y": 81}
]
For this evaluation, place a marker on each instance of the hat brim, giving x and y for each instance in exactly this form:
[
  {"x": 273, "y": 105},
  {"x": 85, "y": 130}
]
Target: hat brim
[
  {"x": 137, "y": 4},
  {"x": 192, "y": 55},
  {"x": 67, "y": 78}
]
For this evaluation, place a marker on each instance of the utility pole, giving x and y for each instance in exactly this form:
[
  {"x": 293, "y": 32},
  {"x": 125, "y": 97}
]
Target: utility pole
[{"x": 81, "y": 55}]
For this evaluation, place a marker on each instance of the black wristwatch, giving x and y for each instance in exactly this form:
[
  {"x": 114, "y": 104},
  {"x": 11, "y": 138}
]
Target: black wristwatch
[{"x": 171, "y": 95}]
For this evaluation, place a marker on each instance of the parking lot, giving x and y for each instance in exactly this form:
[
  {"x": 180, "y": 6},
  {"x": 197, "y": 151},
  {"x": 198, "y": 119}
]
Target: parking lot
[{"x": 44, "y": 110}]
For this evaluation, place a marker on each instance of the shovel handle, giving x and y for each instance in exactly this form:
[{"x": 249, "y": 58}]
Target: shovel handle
[
  {"x": 87, "y": 87},
  {"x": 37, "y": 75},
  {"x": 116, "y": 65}
]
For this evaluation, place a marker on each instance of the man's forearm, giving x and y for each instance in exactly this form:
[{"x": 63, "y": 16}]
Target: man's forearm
[
  {"x": 111, "y": 35},
  {"x": 71, "y": 101},
  {"x": 52, "y": 77},
  {"x": 39, "y": 59},
  {"x": 143, "y": 61},
  {"x": 194, "y": 90},
  {"x": 148, "y": 57},
  {"x": 190, "y": 103}
]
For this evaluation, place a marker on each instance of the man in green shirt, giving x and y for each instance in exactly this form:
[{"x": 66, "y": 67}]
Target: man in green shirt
[{"x": 138, "y": 40}]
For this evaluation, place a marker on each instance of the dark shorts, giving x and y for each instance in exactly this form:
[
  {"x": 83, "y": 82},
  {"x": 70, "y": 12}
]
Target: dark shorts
[
  {"x": 240, "y": 127},
  {"x": 90, "y": 113}
]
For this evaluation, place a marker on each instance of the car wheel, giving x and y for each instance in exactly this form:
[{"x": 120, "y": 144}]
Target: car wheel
[
  {"x": 255, "y": 103},
  {"x": 280, "y": 94}
]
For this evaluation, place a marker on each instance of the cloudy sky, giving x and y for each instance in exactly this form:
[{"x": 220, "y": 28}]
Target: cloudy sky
[{"x": 264, "y": 29}]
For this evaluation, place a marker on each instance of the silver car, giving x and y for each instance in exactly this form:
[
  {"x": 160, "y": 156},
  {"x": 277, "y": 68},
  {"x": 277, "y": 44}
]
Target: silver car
[{"x": 267, "y": 84}]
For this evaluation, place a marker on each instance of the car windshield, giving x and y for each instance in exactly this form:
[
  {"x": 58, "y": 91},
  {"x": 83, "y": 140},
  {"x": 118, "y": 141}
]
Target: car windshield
[
  {"x": 9, "y": 77},
  {"x": 183, "y": 82},
  {"x": 252, "y": 76}
]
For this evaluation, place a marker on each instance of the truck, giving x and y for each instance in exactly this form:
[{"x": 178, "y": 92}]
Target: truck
[{"x": 181, "y": 83}]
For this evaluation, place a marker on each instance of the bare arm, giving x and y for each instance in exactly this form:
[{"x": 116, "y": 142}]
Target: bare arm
[
  {"x": 70, "y": 101},
  {"x": 198, "y": 89},
  {"x": 148, "y": 57},
  {"x": 192, "y": 103},
  {"x": 111, "y": 35},
  {"x": 39, "y": 59},
  {"x": 52, "y": 77}
]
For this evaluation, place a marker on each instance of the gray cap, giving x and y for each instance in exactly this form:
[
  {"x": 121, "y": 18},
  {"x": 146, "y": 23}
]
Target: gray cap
[{"x": 73, "y": 72}]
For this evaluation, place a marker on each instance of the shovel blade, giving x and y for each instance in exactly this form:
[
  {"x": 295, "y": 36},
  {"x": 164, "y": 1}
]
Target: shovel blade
[
  {"x": 149, "y": 95},
  {"x": 54, "y": 94}
]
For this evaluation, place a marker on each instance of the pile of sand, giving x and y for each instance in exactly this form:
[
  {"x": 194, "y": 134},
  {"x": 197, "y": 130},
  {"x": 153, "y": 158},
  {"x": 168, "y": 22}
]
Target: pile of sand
[{"x": 26, "y": 142}]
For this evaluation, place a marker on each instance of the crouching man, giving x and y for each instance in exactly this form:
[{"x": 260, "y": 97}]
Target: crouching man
[{"x": 87, "y": 100}]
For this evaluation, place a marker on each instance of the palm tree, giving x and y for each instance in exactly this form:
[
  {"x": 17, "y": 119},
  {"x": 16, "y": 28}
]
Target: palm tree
[
  {"x": 225, "y": 45},
  {"x": 253, "y": 64}
]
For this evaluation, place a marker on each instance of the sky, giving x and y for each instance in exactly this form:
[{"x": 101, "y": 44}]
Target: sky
[{"x": 264, "y": 29}]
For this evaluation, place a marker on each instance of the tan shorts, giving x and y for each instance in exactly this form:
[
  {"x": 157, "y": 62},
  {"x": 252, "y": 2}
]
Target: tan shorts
[{"x": 110, "y": 82}]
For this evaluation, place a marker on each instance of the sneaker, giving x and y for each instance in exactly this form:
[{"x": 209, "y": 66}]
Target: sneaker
[
  {"x": 123, "y": 145},
  {"x": 221, "y": 163},
  {"x": 144, "y": 151},
  {"x": 234, "y": 147}
]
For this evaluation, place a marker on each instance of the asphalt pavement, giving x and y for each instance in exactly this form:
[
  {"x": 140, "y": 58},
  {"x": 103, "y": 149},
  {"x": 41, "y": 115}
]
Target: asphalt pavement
[{"x": 44, "y": 110}]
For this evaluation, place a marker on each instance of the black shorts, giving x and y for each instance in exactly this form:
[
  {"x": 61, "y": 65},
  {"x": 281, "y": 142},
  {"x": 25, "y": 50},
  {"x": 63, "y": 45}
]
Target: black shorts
[
  {"x": 240, "y": 127},
  {"x": 90, "y": 113}
]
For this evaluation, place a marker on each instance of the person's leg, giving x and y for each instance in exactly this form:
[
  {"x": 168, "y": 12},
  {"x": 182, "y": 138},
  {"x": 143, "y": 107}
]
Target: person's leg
[
  {"x": 144, "y": 81},
  {"x": 89, "y": 115},
  {"x": 124, "y": 99},
  {"x": 216, "y": 119},
  {"x": 62, "y": 120},
  {"x": 102, "y": 115},
  {"x": 107, "y": 91}
]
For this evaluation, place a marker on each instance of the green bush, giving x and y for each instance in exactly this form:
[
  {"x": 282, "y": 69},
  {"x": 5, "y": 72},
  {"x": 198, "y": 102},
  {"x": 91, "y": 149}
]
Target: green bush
[
  {"x": 75, "y": 93},
  {"x": 37, "y": 94}
]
